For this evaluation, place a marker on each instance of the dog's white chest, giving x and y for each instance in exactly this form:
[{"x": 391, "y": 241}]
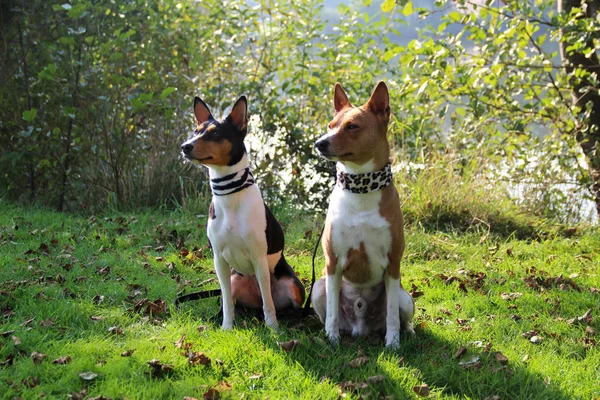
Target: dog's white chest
[
  {"x": 357, "y": 224},
  {"x": 237, "y": 231}
]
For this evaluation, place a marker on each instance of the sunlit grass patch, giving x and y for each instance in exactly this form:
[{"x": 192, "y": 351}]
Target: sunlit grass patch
[{"x": 82, "y": 287}]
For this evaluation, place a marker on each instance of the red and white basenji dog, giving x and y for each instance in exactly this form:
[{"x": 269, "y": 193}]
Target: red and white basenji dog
[
  {"x": 363, "y": 240},
  {"x": 246, "y": 239}
]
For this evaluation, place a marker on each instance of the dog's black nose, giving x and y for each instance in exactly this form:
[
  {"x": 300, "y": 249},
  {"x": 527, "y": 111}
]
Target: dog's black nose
[
  {"x": 322, "y": 145},
  {"x": 187, "y": 147}
]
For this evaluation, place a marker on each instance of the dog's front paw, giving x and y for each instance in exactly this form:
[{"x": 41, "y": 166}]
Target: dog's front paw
[
  {"x": 392, "y": 340},
  {"x": 334, "y": 338},
  {"x": 227, "y": 326},
  {"x": 273, "y": 324}
]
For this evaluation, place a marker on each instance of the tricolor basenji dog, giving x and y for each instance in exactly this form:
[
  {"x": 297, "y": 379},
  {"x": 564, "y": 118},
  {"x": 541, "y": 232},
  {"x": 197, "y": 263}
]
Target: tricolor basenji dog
[
  {"x": 363, "y": 240},
  {"x": 246, "y": 239}
]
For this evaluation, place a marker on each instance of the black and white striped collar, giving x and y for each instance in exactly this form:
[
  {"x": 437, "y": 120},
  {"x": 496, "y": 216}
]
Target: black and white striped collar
[{"x": 232, "y": 183}]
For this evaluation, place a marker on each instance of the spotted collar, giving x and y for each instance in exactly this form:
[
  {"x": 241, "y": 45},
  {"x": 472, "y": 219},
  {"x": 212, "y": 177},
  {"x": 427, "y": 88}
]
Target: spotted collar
[
  {"x": 232, "y": 183},
  {"x": 365, "y": 183}
]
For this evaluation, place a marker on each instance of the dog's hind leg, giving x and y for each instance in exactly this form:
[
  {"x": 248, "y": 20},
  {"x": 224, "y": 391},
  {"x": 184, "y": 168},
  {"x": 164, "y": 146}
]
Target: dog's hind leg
[
  {"x": 263, "y": 276},
  {"x": 407, "y": 310},
  {"x": 224, "y": 274},
  {"x": 319, "y": 299}
]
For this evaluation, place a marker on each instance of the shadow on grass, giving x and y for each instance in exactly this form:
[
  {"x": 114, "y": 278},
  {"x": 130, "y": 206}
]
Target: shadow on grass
[{"x": 423, "y": 359}]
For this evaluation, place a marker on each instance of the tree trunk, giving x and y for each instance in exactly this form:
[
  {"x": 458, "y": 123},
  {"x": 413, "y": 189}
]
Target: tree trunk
[
  {"x": 589, "y": 139},
  {"x": 28, "y": 105},
  {"x": 69, "y": 139}
]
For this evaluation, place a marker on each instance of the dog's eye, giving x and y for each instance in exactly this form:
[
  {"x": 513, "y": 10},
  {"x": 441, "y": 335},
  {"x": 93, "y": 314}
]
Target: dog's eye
[
  {"x": 351, "y": 127},
  {"x": 214, "y": 132}
]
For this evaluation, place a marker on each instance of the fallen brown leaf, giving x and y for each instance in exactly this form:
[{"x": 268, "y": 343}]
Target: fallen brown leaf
[
  {"x": 501, "y": 358},
  {"x": 198, "y": 357},
  {"x": 127, "y": 353},
  {"x": 78, "y": 395},
  {"x": 24, "y": 324},
  {"x": 358, "y": 362},
  {"x": 31, "y": 382},
  {"x": 589, "y": 331},
  {"x": 421, "y": 390},
  {"x": 179, "y": 343},
  {"x": 584, "y": 319},
  {"x": 536, "y": 339},
  {"x": 529, "y": 334},
  {"x": 62, "y": 360},
  {"x": 211, "y": 394},
  {"x": 47, "y": 322},
  {"x": 88, "y": 376},
  {"x": 460, "y": 352},
  {"x": 375, "y": 379},
  {"x": 37, "y": 357},
  {"x": 290, "y": 345},
  {"x": 474, "y": 363},
  {"x": 158, "y": 369},
  {"x": 115, "y": 330},
  {"x": 16, "y": 340}
]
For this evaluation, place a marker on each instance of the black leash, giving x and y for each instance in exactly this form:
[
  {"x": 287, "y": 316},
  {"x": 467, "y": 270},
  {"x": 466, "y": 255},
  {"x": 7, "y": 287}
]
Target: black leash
[{"x": 307, "y": 309}]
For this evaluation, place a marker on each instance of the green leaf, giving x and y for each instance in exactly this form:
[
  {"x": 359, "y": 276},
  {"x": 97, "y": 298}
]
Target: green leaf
[
  {"x": 165, "y": 93},
  {"x": 408, "y": 9},
  {"x": 455, "y": 16},
  {"x": 388, "y": 55},
  {"x": 388, "y": 5},
  {"x": 30, "y": 115}
]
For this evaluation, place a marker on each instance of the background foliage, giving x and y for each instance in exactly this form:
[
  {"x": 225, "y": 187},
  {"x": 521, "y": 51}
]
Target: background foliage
[{"x": 98, "y": 96}]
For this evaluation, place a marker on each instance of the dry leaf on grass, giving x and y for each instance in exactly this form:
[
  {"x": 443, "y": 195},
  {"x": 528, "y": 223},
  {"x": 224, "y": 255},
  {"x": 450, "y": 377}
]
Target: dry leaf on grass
[
  {"x": 31, "y": 382},
  {"x": 37, "y": 357},
  {"x": 460, "y": 352},
  {"x": 474, "y": 363},
  {"x": 62, "y": 360},
  {"x": 115, "y": 330},
  {"x": 198, "y": 357},
  {"x": 211, "y": 394},
  {"x": 127, "y": 353},
  {"x": 88, "y": 376},
  {"x": 179, "y": 343},
  {"x": 375, "y": 379},
  {"x": 290, "y": 345},
  {"x": 78, "y": 395},
  {"x": 501, "y": 358},
  {"x": 536, "y": 339},
  {"x": 421, "y": 390},
  {"x": 158, "y": 369},
  {"x": 584, "y": 319},
  {"x": 358, "y": 362}
]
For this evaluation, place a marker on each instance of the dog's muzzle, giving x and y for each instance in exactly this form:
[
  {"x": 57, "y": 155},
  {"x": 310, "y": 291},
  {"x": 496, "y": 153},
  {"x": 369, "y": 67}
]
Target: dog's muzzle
[{"x": 187, "y": 149}]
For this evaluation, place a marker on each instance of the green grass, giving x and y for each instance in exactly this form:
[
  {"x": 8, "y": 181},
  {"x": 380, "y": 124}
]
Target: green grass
[{"x": 553, "y": 279}]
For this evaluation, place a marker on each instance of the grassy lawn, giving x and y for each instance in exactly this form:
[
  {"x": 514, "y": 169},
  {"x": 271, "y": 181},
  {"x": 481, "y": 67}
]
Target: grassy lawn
[{"x": 83, "y": 315}]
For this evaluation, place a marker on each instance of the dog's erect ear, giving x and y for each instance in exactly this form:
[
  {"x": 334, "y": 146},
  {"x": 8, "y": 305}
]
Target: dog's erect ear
[
  {"x": 379, "y": 103},
  {"x": 340, "y": 100},
  {"x": 201, "y": 111},
  {"x": 239, "y": 114}
]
